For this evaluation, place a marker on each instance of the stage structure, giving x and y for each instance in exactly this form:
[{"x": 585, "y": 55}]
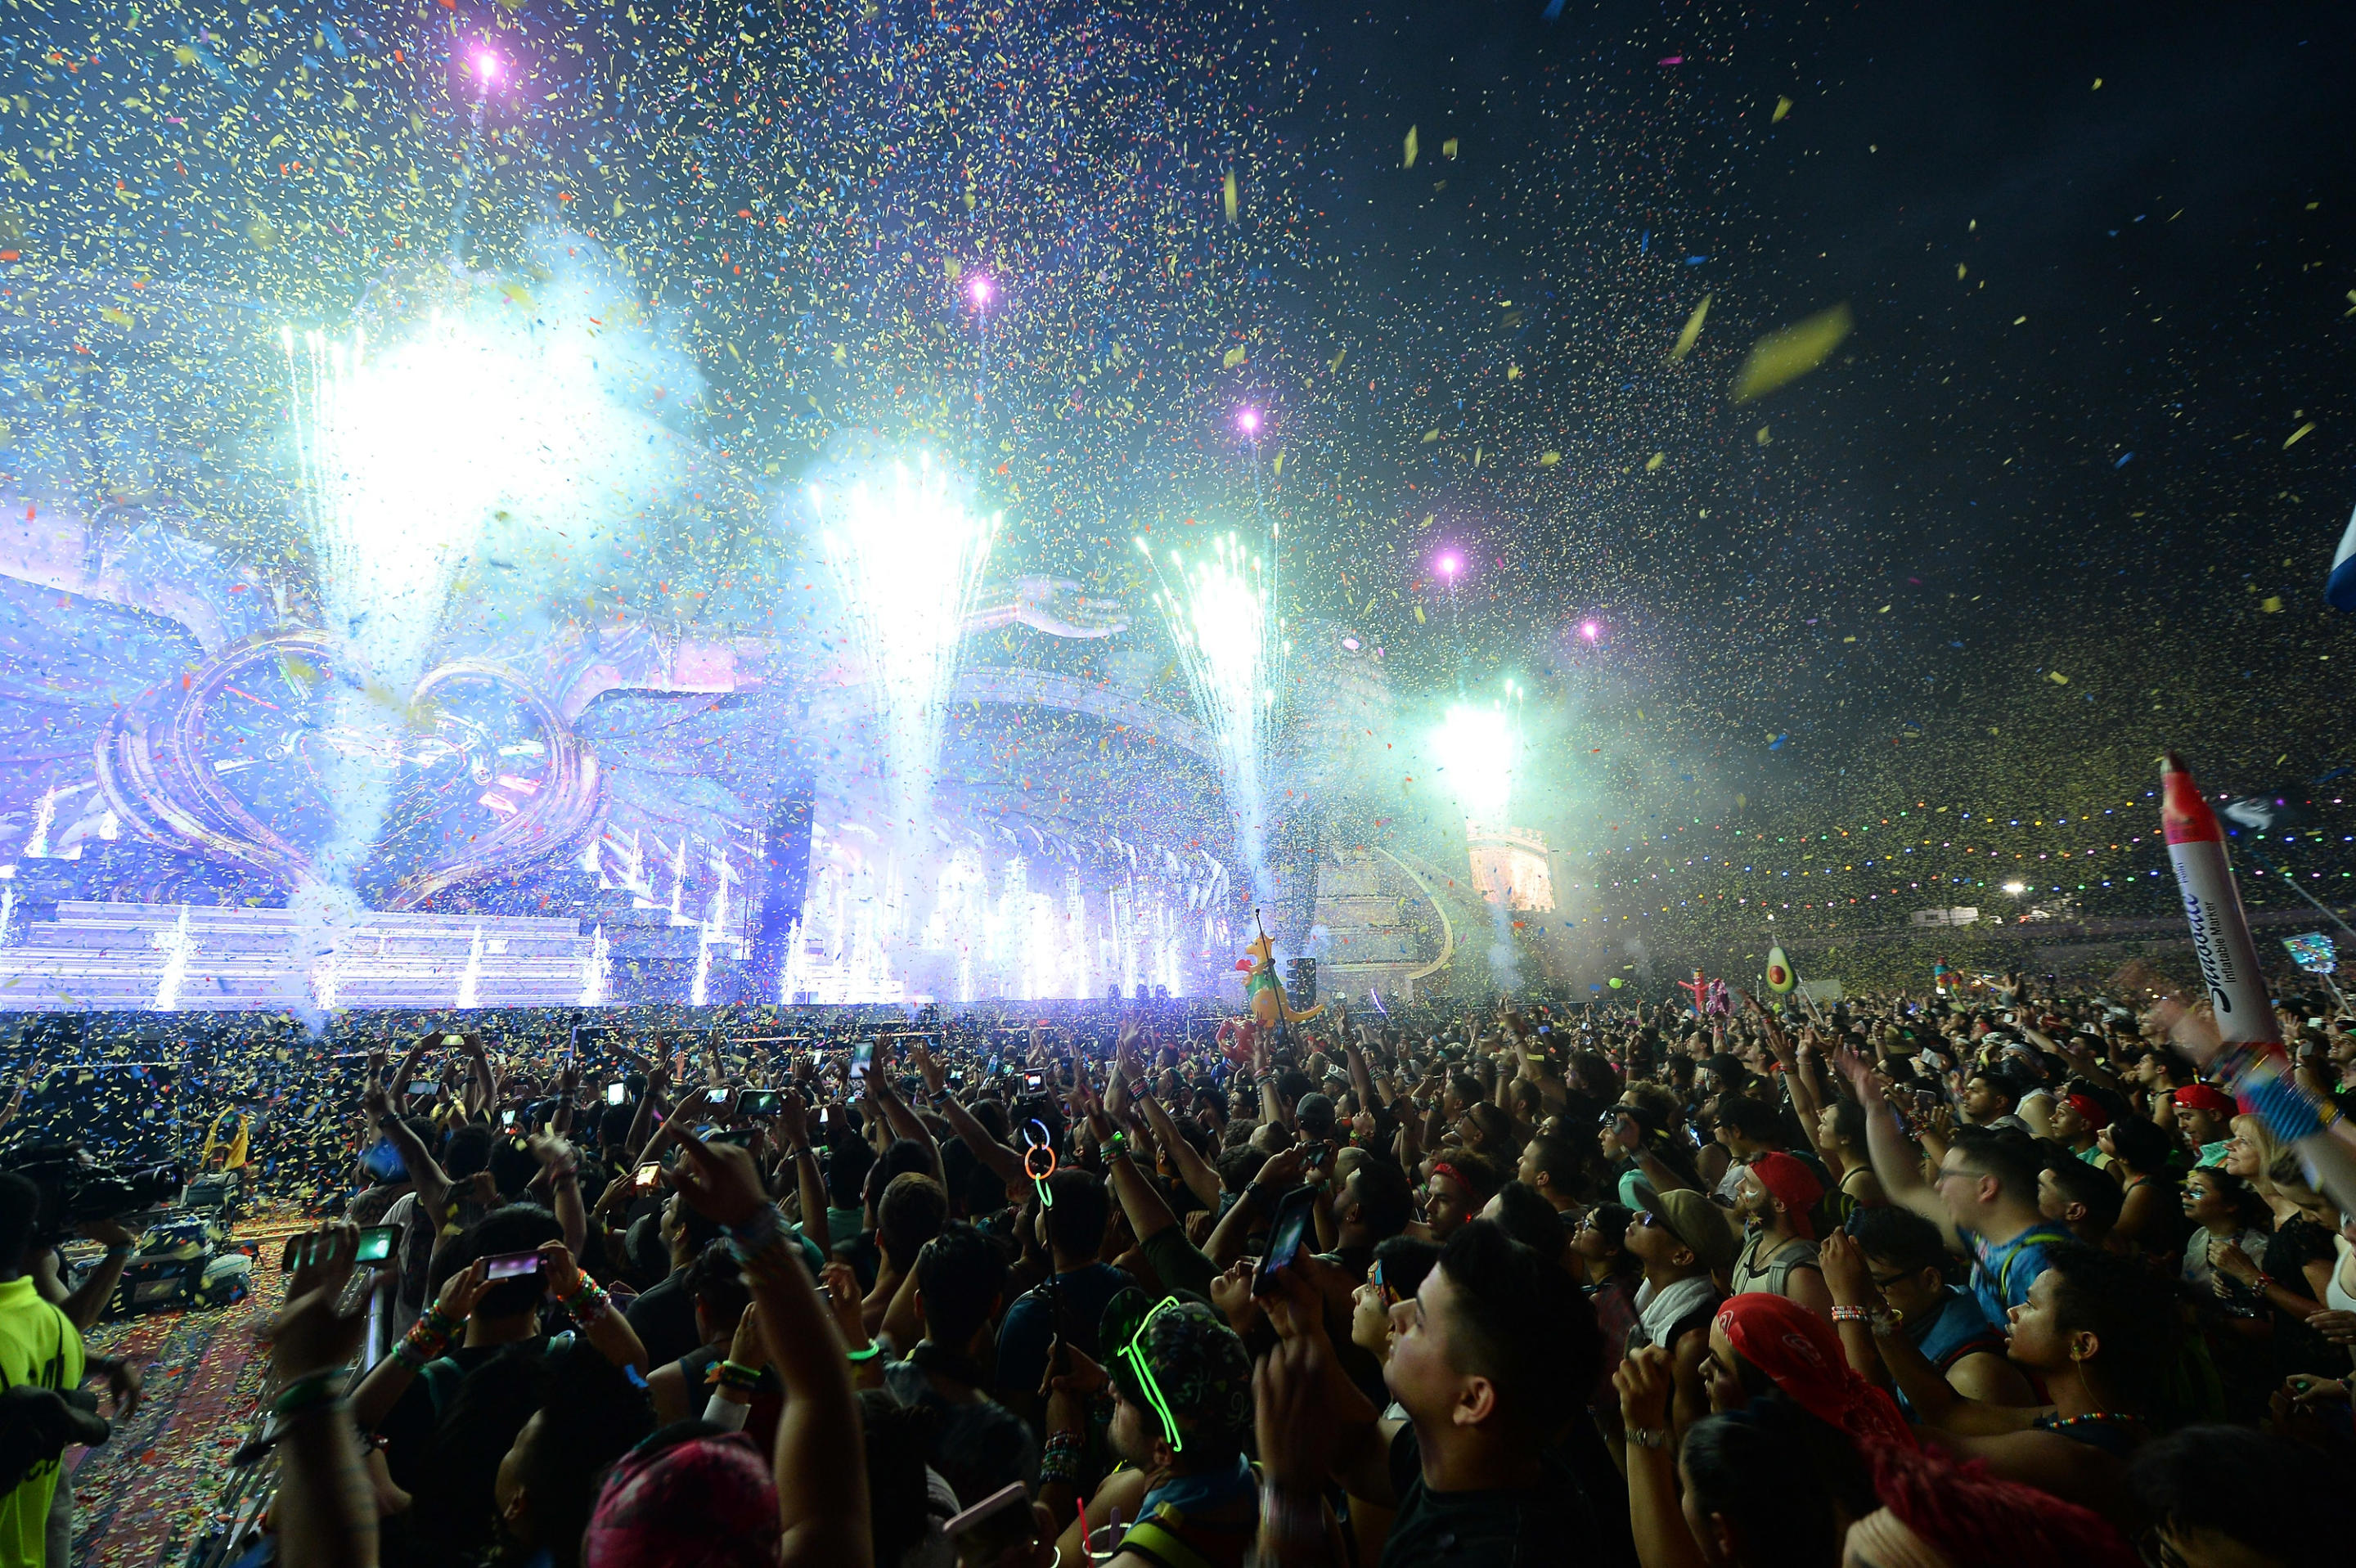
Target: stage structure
[{"x": 348, "y": 752}]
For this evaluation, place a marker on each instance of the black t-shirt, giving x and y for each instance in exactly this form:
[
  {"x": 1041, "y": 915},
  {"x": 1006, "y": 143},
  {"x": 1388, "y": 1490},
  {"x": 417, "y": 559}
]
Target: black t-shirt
[
  {"x": 1538, "y": 1527},
  {"x": 664, "y": 1318}
]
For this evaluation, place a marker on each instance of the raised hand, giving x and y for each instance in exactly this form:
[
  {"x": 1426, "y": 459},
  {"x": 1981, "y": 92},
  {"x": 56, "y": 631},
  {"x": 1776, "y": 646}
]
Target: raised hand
[
  {"x": 312, "y": 1333},
  {"x": 463, "y": 1289},
  {"x": 1845, "y": 1274},
  {"x": 556, "y": 1265},
  {"x": 793, "y": 1119},
  {"x": 1645, "y": 1381},
  {"x": 720, "y": 1181}
]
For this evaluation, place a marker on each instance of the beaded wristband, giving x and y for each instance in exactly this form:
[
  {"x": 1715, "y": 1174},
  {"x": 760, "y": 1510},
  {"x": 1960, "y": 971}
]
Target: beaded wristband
[
  {"x": 1059, "y": 1465},
  {"x": 733, "y": 1374},
  {"x": 1065, "y": 1442},
  {"x": 776, "y": 1264},
  {"x": 1852, "y": 1315},
  {"x": 587, "y": 1305},
  {"x": 756, "y": 1232}
]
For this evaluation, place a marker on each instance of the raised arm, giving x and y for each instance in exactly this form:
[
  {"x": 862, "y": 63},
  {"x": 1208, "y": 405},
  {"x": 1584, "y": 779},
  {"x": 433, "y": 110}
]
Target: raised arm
[
  {"x": 657, "y": 1075},
  {"x": 821, "y": 1474},
  {"x": 1184, "y": 1158},
  {"x": 325, "y": 1509},
  {"x": 810, "y": 1176},
  {"x": 1895, "y": 1162},
  {"x": 433, "y": 1188},
  {"x": 386, "y": 1382},
  {"x": 1278, "y": 1173},
  {"x": 1003, "y": 1162},
  {"x": 1149, "y": 1213},
  {"x": 903, "y": 1121},
  {"x": 560, "y": 1167}
]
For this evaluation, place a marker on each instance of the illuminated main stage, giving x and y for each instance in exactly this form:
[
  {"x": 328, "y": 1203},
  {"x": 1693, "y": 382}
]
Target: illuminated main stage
[{"x": 121, "y": 957}]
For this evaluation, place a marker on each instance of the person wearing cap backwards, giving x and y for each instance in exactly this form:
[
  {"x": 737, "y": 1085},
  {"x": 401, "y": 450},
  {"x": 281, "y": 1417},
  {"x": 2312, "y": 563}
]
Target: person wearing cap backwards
[
  {"x": 1182, "y": 1387},
  {"x": 2204, "y": 1114},
  {"x": 2077, "y": 1117},
  {"x": 1779, "y": 1255}
]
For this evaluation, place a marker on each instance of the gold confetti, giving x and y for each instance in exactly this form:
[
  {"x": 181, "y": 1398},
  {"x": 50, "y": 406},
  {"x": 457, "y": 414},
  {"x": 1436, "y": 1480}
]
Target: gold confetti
[
  {"x": 1692, "y": 333},
  {"x": 2272, "y": 604},
  {"x": 1787, "y": 355},
  {"x": 1233, "y": 358},
  {"x": 2293, "y": 439},
  {"x": 1410, "y": 147},
  {"x": 1448, "y": 150},
  {"x": 2056, "y": 677},
  {"x": 1548, "y": 459},
  {"x": 1783, "y": 107},
  {"x": 1654, "y": 461},
  {"x": 1232, "y": 200}
]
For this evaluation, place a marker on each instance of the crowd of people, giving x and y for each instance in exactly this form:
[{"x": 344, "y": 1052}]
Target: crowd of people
[{"x": 1990, "y": 1274}]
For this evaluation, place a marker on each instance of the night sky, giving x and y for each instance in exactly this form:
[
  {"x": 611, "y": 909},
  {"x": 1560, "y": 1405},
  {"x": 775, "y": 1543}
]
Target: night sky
[{"x": 2062, "y": 495}]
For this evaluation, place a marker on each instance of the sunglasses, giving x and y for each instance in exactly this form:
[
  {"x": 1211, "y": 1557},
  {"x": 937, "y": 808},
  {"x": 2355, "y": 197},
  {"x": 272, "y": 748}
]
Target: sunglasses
[{"x": 1134, "y": 1354}]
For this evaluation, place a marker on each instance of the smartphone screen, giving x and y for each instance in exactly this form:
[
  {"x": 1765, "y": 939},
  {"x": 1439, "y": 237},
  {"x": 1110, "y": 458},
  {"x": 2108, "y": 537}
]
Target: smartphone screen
[
  {"x": 825, "y": 1116},
  {"x": 862, "y": 1057},
  {"x": 1284, "y": 1236},
  {"x": 996, "y": 1528},
  {"x": 647, "y": 1177},
  {"x": 507, "y": 1117},
  {"x": 421, "y": 1091},
  {"x": 716, "y": 1096},
  {"x": 615, "y": 1093},
  {"x": 513, "y": 1266},
  {"x": 1035, "y": 1081},
  {"x": 453, "y": 1040},
  {"x": 382, "y": 1161},
  {"x": 757, "y": 1103},
  {"x": 375, "y": 1243}
]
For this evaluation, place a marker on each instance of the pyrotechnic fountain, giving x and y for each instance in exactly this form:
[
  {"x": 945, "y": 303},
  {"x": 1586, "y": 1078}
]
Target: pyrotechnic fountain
[
  {"x": 1222, "y": 619},
  {"x": 907, "y": 556},
  {"x": 386, "y": 548},
  {"x": 1477, "y": 751}
]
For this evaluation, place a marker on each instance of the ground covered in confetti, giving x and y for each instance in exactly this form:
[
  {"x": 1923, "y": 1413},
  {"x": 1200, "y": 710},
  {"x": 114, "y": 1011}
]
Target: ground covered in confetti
[{"x": 143, "y": 1499}]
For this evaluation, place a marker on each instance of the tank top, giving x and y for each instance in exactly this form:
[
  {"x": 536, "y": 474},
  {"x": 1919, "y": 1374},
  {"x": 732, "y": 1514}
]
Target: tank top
[
  {"x": 1749, "y": 1275},
  {"x": 2335, "y": 1292}
]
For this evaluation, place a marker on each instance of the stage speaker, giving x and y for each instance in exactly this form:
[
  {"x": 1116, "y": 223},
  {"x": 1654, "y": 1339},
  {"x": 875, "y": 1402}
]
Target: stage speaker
[
  {"x": 1301, "y": 982},
  {"x": 784, "y": 882}
]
